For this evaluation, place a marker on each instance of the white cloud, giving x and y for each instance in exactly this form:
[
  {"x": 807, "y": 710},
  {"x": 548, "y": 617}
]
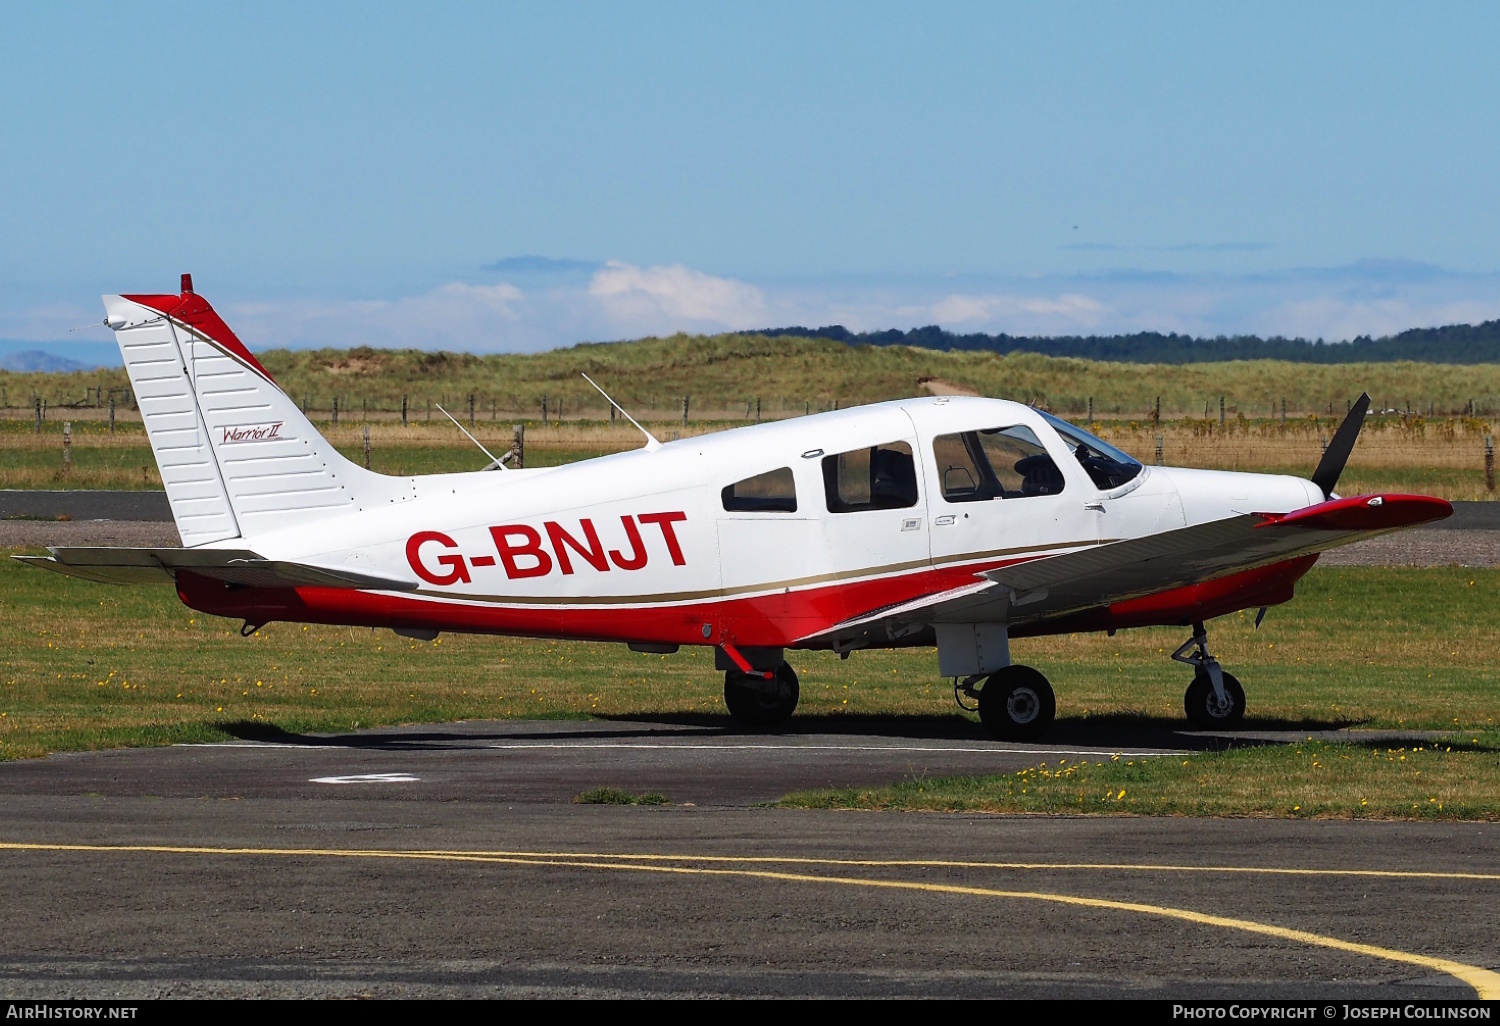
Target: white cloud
[
  {"x": 671, "y": 297},
  {"x": 1332, "y": 317},
  {"x": 623, "y": 300},
  {"x": 452, "y": 316},
  {"x": 1064, "y": 313}
]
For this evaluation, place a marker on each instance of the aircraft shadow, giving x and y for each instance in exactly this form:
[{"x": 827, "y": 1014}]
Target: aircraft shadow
[
  {"x": 1109, "y": 732},
  {"x": 407, "y": 740}
]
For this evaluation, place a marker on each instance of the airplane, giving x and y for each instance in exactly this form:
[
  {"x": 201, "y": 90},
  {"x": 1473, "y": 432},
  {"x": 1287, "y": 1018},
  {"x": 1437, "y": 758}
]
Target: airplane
[{"x": 950, "y": 522}]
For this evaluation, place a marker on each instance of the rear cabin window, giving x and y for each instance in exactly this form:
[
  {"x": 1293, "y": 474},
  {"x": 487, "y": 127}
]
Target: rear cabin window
[
  {"x": 880, "y": 477},
  {"x": 771, "y": 492},
  {"x": 998, "y": 463}
]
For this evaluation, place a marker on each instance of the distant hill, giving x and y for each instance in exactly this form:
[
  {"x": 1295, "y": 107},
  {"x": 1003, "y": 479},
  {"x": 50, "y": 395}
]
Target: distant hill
[
  {"x": 1458, "y": 343},
  {"x": 729, "y": 374},
  {"x": 34, "y": 360}
]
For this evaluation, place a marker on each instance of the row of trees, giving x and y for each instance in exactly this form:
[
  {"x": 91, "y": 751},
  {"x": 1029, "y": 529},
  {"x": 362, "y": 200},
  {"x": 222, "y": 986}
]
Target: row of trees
[{"x": 1458, "y": 343}]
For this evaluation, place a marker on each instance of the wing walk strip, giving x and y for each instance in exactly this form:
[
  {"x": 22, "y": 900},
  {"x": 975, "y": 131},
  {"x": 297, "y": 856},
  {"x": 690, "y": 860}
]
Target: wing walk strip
[{"x": 1486, "y": 982}]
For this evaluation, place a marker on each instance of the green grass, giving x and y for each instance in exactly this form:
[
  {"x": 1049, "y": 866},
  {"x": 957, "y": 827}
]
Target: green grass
[
  {"x": 722, "y": 372},
  {"x": 615, "y": 796},
  {"x": 1456, "y": 778}
]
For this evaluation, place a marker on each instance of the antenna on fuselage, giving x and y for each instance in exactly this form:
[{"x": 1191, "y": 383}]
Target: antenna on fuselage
[
  {"x": 495, "y": 464},
  {"x": 651, "y": 440}
]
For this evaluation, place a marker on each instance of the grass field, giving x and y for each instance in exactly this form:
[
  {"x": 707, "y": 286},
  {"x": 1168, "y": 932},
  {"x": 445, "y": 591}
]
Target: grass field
[
  {"x": 1449, "y": 779},
  {"x": 87, "y": 666},
  {"x": 724, "y": 372}
]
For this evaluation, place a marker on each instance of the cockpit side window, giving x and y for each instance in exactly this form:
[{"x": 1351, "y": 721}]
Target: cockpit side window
[
  {"x": 880, "y": 477},
  {"x": 775, "y": 491},
  {"x": 998, "y": 463}
]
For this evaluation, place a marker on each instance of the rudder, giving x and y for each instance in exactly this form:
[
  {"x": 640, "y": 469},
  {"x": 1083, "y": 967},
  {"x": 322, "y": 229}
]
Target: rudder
[{"x": 237, "y": 457}]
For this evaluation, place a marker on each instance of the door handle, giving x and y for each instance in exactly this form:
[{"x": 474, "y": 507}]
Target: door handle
[{"x": 1099, "y": 506}]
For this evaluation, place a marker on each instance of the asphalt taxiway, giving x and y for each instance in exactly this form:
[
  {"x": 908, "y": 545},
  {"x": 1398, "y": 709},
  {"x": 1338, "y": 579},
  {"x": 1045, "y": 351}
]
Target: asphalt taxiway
[{"x": 452, "y": 860}]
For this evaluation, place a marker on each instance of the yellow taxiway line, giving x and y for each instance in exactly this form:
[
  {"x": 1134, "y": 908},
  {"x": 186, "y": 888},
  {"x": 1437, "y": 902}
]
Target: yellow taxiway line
[
  {"x": 1486, "y": 982},
  {"x": 1124, "y": 867}
]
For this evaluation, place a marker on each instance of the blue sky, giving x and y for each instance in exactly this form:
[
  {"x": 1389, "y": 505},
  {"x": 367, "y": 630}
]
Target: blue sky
[{"x": 383, "y": 173}]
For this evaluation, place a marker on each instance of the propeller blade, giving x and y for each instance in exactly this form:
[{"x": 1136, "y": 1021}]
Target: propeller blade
[{"x": 1337, "y": 453}]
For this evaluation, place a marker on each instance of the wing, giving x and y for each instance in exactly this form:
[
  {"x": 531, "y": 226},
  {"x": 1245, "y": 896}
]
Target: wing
[
  {"x": 233, "y": 566},
  {"x": 1056, "y": 586}
]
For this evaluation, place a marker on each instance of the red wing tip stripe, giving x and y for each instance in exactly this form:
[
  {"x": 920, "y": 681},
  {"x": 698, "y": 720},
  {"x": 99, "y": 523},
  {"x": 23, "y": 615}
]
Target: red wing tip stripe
[{"x": 1365, "y": 513}]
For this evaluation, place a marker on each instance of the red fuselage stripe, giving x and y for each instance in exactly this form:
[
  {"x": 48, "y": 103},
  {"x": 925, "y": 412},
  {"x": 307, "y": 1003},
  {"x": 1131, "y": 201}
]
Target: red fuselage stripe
[{"x": 771, "y": 620}]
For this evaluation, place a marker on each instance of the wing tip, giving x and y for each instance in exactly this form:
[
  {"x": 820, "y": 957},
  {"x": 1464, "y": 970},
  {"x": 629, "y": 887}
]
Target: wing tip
[{"x": 1385, "y": 512}]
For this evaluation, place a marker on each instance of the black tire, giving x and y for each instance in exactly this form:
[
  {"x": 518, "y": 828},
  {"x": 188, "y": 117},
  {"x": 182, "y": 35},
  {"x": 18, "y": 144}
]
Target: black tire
[
  {"x": 758, "y": 708},
  {"x": 1203, "y": 711},
  {"x": 1017, "y": 704}
]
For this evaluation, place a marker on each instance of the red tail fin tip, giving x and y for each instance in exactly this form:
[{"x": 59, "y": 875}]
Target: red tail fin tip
[{"x": 187, "y": 284}]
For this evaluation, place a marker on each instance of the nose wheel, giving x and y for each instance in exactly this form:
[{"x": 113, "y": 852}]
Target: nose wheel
[{"x": 1215, "y": 699}]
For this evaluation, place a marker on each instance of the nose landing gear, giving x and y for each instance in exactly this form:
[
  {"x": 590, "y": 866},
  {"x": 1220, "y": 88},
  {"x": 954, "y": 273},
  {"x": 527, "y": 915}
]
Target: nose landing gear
[{"x": 1215, "y": 699}]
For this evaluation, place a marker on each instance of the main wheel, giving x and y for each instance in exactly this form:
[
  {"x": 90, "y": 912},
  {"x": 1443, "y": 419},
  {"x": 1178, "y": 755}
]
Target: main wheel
[
  {"x": 1017, "y": 704},
  {"x": 761, "y": 706},
  {"x": 1205, "y": 711}
]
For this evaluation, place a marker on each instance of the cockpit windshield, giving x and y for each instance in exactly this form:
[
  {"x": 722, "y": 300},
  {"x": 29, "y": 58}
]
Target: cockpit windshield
[{"x": 1107, "y": 466}]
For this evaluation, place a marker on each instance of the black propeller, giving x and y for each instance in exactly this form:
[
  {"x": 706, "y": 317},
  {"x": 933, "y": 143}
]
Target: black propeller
[{"x": 1337, "y": 453}]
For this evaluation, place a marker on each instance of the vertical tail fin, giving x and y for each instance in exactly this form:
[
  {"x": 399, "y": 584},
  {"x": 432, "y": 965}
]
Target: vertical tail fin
[{"x": 237, "y": 456}]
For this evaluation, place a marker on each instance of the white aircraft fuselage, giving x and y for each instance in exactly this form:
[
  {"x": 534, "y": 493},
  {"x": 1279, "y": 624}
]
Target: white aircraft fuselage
[{"x": 638, "y": 546}]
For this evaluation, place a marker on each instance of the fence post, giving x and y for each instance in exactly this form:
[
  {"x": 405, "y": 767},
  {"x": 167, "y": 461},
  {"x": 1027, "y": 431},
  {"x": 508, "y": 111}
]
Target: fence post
[
  {"x": 367, "y": 447},
  {"x": 37, "y": 402},
  {"x": 687, "y": 401},
  {"x": 111, "y": 413},
  {"x": 1283, "y": 411},
  {"x": 68, "y": 446},
  {"x": 611, "y": 414},
  {"x": 403, "y": 410},
  {"x": 471, "y": 409},
  {"x": 1091, "y": 410},
  {"x": 518, "y": 444},
  {"x": 544, "y": 411},
  {"x": 335, "y": 411},
  {"x": 1158, "y": 451},
  {"x": 1221, "y": 411},
  {"x": 757, "y": 409},
  {"x": 1489, "y": 463},
  {"x": 1156, "y": 412}
]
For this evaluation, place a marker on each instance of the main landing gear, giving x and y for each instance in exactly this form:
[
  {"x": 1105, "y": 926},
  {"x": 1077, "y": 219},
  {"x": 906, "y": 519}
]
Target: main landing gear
[
  {"x": 1015, "y": 703},
  {"x": 758, "y": 702},
  {"x": 1214, "y": 699}
]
